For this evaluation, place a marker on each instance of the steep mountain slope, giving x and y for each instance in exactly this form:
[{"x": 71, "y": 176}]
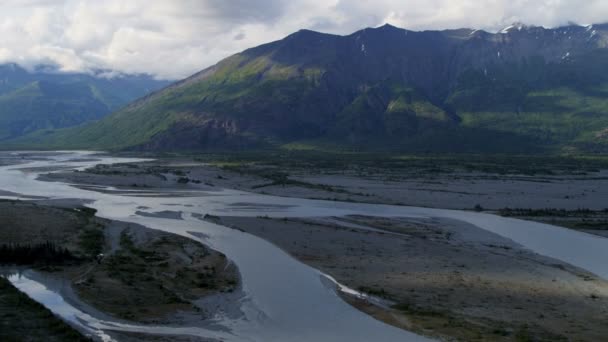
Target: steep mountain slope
[
  {"x": 522, "y": 89},
  {"x": 30, "y": 101}
]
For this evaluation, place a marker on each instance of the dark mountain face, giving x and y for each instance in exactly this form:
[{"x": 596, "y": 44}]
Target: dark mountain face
[
  {"x": 31, "y": 101},
  {"x": 522, "y": 89}
]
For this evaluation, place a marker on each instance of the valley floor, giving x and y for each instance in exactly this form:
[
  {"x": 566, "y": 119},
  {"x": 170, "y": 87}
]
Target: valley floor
[
  {"x": 437, "y": 277},
  {"x": 436, "y": 186},
  {"x": 114, "y": 269},
  {"x": 445, "y": 278}
]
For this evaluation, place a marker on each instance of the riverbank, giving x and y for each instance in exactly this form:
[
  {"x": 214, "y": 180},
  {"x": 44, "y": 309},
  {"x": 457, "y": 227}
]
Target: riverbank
[
  {"x": 473, "y": 286},
  {"x": 431, "y": 184},
  {"x": 151, "y": 277},
  {"x": 444, "y": 278},
  {"x": 21, "y": 317},
  {"x": 584, "y": 220},
  {"x": 122, "y": 270}
]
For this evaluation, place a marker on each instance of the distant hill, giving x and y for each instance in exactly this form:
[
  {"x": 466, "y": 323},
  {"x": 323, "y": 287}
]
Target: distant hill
[
  {"x": 524, "y": 89},
  {"x": 31, "y": 101}
]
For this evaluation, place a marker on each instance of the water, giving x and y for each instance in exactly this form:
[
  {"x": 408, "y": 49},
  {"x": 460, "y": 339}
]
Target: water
[
  {"x": 285, "y": 299},
  {"x": 46, "y": 290}
]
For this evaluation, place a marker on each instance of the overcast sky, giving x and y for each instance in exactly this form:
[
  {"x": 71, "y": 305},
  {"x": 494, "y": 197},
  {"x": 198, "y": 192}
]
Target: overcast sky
[{"x": 174, "y": 38}]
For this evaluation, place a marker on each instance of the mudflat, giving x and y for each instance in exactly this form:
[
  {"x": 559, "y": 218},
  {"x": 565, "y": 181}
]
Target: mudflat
[
  {"x": 436, "y": 277},
  {"x": 435, "y": 186},
  {"x": 444, "y": 278}
]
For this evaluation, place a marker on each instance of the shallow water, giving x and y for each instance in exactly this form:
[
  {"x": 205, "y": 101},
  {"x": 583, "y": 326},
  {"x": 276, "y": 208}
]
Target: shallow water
[
  {"x": 285, "y": 299},
  {"x": 46, "y": 290}
]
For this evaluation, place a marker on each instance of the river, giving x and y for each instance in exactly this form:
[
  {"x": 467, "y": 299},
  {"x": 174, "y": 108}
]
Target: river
[{"x": 284, "y": 300}]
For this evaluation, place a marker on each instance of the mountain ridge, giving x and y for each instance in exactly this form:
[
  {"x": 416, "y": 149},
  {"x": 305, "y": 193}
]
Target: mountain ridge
[
  {"x": 380, "y": 88},
  {"x": 46, "y": 99}
]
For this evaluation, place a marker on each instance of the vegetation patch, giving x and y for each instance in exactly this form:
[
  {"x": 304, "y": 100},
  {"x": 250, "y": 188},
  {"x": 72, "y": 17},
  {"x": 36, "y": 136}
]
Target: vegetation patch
[
  {"x": 41, "y": 254},
  {"x": 146, "y": 275},
  {"x": 153, "y": 275}
]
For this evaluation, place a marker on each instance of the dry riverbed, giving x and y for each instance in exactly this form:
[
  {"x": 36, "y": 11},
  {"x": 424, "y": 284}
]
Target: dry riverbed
[
  {"x": 441, "y": 278},
  {"x": 571, "y": 199},
  {"x": 445, "y": 278},
  {"x": 457, "y": 189},
  {"x": 144, "y": 276}
]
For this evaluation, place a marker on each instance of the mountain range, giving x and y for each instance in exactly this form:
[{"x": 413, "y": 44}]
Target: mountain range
[
  {"x": 44, "y": 99},
  {"x": 523, "y": 89}
]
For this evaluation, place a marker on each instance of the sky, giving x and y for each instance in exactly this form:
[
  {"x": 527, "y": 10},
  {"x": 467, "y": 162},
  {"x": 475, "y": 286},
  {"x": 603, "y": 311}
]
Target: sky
[{"x": 172, "y": 39}]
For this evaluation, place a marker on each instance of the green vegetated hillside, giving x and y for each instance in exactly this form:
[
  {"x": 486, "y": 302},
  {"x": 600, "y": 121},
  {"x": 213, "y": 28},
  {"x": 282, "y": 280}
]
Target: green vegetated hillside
[
  {"x": 525, "y": 89},
  {"x": 41, "y": 105},
  {"x": 33, "y": 101}
]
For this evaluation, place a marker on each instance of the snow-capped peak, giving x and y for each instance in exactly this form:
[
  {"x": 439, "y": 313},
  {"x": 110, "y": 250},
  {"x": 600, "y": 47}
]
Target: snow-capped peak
[{"x": 515, "y": 26}]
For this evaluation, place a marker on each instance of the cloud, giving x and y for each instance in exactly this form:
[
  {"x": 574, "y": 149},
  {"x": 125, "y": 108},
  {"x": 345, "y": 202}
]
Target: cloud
[{"x": 173, "y": 39}]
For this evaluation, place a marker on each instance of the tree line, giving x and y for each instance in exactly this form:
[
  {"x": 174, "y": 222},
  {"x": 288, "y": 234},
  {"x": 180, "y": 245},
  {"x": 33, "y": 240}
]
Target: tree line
[{"x": 28, "y": 254}]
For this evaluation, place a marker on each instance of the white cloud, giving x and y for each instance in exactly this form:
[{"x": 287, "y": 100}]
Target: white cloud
[{"x": 172, "y": 39}]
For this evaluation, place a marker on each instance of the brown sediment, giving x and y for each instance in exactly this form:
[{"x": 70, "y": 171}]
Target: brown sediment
[
  {"x": 414, "y": 186},
  {"x": 445, "y": 278}
]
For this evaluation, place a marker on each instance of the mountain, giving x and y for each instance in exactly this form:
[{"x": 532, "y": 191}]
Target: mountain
[
  {"x": 43, "y": 99},
  {"x": 523, "y": 89}
]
